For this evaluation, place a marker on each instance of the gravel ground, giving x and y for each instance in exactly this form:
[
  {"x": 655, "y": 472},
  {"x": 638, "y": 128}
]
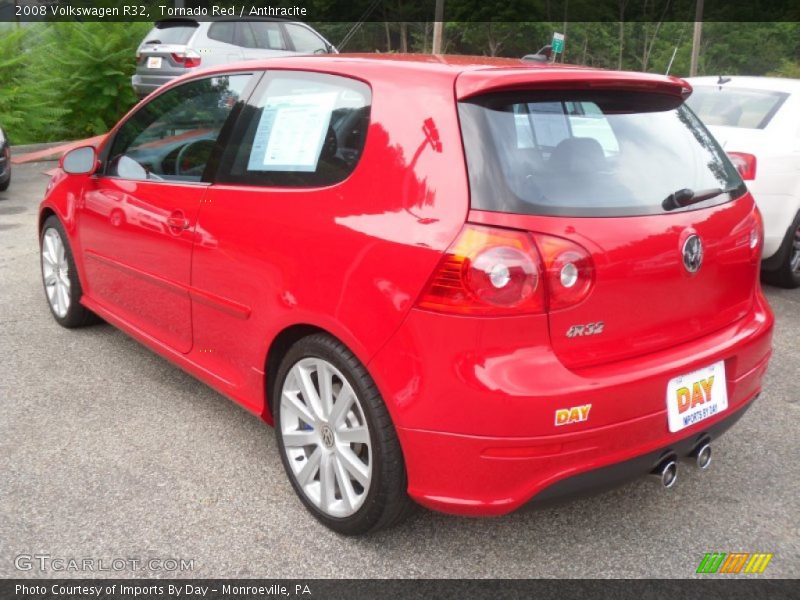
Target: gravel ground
[{"x": 108, "y": 451}]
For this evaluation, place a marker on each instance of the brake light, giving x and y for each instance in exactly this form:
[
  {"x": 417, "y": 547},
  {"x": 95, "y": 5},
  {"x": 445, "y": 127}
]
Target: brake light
[
  {"x": 756, "y": 236},
  {"x": 487, "y": 271},
  {"x": 745, "y": 164},
  {"x": 188, "y": 59},
  {"x": 494, "y": 271},
  {"x": 569, "y": 271}
]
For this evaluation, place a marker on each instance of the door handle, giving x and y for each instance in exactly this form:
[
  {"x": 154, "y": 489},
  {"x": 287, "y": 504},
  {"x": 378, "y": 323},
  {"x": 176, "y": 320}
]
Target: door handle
[{"x": 177, "y": 220}]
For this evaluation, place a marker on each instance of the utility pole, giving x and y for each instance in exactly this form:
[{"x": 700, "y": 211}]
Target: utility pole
[
  {"x": 437, "y": 27},
  {"x": 698, "y": 34}
]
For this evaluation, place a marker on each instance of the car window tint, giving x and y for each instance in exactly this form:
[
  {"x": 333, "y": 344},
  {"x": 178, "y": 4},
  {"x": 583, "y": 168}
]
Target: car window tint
[
  {"x": 301, "y": 130},
  {"x": 224, "y": 31},
  {"x": 587, "y": 153},
  {"x": 305, "y": 40},
  {"x": 244, "y": 35},
  {"x": 168, "y": 32},
  {"x": 268, "y": 35},
  {"x": 172, "y": 136}
]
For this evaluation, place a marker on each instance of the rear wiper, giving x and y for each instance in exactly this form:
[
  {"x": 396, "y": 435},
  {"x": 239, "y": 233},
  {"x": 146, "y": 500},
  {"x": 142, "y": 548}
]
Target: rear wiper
[
  {"x": 686, "y": 197},
  {"x": 153, "y": 42}
]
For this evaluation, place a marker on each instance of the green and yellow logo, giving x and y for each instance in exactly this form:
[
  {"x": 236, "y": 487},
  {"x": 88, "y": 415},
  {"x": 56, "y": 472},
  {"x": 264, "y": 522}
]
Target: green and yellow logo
[{"x": 734, "y": 562}]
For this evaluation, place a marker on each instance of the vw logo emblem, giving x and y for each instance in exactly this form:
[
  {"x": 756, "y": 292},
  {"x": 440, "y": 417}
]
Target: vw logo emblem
[
  {"x": 327, "y": 436},
  {"x": 693, "y": 253}
]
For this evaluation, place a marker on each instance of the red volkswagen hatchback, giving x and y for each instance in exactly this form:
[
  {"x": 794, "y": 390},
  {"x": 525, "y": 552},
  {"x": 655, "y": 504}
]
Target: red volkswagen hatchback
[{"x": 465, "y": 282}]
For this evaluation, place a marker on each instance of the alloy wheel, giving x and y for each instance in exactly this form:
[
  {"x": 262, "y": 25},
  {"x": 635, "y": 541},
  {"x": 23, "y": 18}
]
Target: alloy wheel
[
  {"x": 55, "y": 271},
  {"x": 794, "y": 261},
  {"x": 326, "y": 437}
]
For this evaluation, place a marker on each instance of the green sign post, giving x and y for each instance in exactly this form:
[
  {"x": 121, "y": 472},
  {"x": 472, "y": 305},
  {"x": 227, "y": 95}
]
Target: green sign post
[{"x": 558, "y": 43}]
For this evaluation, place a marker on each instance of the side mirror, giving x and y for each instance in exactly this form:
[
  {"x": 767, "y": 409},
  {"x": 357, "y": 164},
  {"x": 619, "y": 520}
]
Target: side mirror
[{"x": 80, "y": 161}]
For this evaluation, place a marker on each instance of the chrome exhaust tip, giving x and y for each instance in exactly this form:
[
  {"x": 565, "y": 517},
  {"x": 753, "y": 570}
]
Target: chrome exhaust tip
[
  {"x": 666, "y": 472},
  {"x": 702, "y": 456}
]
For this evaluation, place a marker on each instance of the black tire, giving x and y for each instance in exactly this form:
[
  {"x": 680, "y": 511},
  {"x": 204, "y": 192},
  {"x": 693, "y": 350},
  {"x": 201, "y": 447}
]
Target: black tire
[
  {"x": 782, "y": 275},
  {"x": 387, "y": 502},
  {"x": 76, "y": 315},
  {"x": 4, "y": 184}
]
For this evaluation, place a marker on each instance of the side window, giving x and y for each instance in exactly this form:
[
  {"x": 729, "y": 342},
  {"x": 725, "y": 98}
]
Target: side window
[
  {"x": 305, "y": 40},
  {"x": 301, "y": 130},
  {"x": 268, "y": 35},
  {"x": 223, "y": 31},
  {"x": 172, "y": 136},
  {"x": 244, "y": 35}
]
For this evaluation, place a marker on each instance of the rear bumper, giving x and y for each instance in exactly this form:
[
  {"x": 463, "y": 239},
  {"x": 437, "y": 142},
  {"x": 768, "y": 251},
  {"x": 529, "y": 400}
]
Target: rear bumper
[
  {"x": 480, "y": 438},
  {"x": 145, "y": 84}
]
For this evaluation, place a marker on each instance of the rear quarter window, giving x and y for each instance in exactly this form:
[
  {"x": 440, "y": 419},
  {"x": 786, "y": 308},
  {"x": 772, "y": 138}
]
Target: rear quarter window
[
  {"x": 588, "y": 153},
  {"x": 299, "y": 130}
]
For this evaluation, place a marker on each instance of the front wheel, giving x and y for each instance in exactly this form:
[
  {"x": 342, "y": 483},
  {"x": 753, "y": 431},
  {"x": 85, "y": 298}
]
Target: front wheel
[
  {"x": 60, "y": 277},
  {"x": 336, "y": 439}
]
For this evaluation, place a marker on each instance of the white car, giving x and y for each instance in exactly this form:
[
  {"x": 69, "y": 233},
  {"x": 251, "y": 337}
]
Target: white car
[
  {"x": 176, "y": 46},
  {"x": 757, "y": 121}
]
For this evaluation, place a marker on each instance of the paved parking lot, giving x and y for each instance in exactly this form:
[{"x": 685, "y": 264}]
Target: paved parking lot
[{"x": 108, "y": 451}]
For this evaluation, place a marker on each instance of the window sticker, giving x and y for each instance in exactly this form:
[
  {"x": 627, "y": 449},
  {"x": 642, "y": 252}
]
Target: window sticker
[{"x": 291, "y": 132}]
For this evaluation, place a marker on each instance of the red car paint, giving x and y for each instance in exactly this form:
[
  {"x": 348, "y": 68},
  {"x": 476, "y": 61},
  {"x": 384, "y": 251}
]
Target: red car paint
[{"x": 210, "y": 276}]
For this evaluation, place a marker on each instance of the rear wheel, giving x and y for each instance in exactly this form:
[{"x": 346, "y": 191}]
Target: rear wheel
[
  {"x": 336, "y": 439},
  {"x": 787, "y": 275},
  {"x": 62, "y": 287}
]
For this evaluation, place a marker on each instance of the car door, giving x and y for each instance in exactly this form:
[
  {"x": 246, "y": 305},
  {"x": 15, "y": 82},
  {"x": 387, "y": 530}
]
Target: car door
[
  {"x": 137, "y": 218},
  {"x": 270, "y": 210}
]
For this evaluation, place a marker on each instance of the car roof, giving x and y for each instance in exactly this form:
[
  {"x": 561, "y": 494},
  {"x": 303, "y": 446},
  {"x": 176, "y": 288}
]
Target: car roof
[{"x": 779, "y": 84}]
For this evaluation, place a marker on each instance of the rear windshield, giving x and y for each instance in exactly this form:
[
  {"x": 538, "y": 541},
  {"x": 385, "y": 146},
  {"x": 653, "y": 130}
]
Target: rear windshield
[
  {"x": 589, "y": 154},
  {"x": 171, "y": 33},
  {"x": 735, "y": 107}
]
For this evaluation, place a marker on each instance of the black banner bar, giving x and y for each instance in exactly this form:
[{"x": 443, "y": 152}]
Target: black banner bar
[{"x": 348, "y": 589}]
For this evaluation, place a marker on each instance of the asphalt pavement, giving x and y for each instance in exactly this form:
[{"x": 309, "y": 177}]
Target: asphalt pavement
[{"x": 109, "y": 452}]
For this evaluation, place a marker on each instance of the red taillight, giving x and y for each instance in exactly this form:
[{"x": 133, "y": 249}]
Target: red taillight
[
  {"x": 494, "y": 271},
  {"x": 756, "y": 236},
  {"x": 487, "y": 271},
  {"x": 569, "y": 271},
  {"x": 188, "y": 59},
  {"x": 745, "y": 164}
]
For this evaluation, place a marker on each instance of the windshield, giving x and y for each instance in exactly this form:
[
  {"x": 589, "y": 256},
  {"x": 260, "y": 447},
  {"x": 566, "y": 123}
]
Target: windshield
[
  {"x": 735, "y": 107},
  {"x": 588, "y": 154}
]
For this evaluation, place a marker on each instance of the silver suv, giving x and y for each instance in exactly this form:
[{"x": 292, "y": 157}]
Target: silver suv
[{"x": 176, "y": 46}]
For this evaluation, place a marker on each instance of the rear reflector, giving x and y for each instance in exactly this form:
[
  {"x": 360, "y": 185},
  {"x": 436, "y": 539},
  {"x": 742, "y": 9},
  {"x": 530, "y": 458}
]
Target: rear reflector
[
  {"x": 494, "y": 271},
  {"x": 745, "y": 164}
]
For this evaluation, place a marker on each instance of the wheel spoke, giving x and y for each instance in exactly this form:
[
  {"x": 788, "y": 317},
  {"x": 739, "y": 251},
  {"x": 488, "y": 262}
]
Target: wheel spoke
[
  {"x": 342, "y": 405},
  {"x": 327, "y": 479},
  {"x": 59, "y": 301},
  {"x": 353, "y": 435},
  {"x": 308, "y": 471},
  {"x": 353, "y": 465},
  {"x": 325, "y": 380},
  {"x": 310, "y": 394},
  {"x": 349, "y": 496},
  {"x": 298, "y": 439},
  {"x": 301, "y": 410}
]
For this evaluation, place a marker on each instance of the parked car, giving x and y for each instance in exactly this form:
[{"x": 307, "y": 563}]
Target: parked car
[
  {"x": 175, "y": 47},
  {"x": 508, "y": 282},
  {"x": 757, "y": 121},
  {"x": 5, "y": 161}
]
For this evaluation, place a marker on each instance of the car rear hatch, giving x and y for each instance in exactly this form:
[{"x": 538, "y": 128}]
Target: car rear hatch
[
  {"x": 165, "y": 51},
  {"x": 590, "y": 157}
]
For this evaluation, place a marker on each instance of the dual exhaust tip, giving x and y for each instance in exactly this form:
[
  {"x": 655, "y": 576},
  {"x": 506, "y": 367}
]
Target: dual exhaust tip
[{"x": 667, "y": 470}]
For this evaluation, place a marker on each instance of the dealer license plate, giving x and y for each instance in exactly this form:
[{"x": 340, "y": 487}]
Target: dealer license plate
[
  {"x": 696, "y": 396},
  {"x": 154, "y": 62}
]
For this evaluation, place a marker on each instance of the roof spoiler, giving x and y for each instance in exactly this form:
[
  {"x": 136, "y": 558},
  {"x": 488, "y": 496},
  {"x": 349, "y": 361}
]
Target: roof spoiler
[{"x": 486, "y": 81}]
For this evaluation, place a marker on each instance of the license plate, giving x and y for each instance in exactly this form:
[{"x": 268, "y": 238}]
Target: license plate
[
  {"x": 696, "y": 396},
  {"x": 154, "y": 62}
]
